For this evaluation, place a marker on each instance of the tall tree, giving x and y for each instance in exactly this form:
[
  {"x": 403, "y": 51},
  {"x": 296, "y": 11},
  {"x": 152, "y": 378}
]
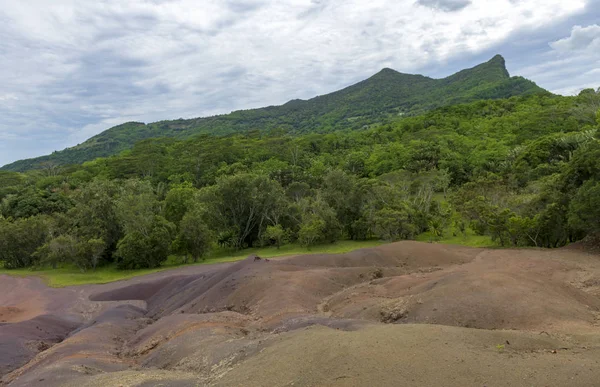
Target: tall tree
[
  {"x": 194, "y": 237},
  {"x": 20, "y": 239},
  {"x": 245, "y": 204}
]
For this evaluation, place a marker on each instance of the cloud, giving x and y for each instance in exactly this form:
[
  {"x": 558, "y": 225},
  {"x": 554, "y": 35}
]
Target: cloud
[
  {"x": 72, "y": 68},
  {"x": 445, "y": 5},
  {"x": 581, "y": 38},
  {"x": 569, "y": 63},
  {"x": 567, "y": 75}
]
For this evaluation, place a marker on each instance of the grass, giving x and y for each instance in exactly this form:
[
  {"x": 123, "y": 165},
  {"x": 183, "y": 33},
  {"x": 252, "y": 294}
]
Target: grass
[
  {"x": 471, "y": 239},
  {"x": 69, "y": 276}
]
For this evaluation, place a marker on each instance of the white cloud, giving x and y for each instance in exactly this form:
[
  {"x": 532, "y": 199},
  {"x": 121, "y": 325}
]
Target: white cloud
[
  {"x": 74, "y": 66},
  {"x": 572, "y": 64},
  {"x": 582, "y": 38}
]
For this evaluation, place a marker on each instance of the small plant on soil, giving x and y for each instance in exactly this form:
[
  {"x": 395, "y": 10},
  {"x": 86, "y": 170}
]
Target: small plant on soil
[
  {"x": 378, "y": 273},
  {"x": 393, "y": 314}
]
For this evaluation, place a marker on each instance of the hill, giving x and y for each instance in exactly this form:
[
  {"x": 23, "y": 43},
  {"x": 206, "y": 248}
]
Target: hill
[
  {"x": 386, "y": 94},
  {"x": 408, "y": 313}
]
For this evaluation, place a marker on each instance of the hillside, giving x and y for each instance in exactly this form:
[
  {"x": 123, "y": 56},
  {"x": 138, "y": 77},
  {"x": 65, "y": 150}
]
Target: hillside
[
  {"x": 385, "y": 94},
  {"x": 520, "y": 171},
  {"x": 520, "y": 175}
]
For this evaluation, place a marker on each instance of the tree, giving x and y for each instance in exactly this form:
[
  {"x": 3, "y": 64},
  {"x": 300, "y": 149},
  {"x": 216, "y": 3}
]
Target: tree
[
  {"x": 498, "y": 224},
  {"x": 149, "y": 154},
  {"x": 66, "y": 248},
  {"x": 393, "y": 224},
  {"x": 348, "y": 196},
  {"x": 524, "y": 231},
  {"x": 584, "y": 209},
  {"x": 136, "y": 207},
  {"x": 275, "y": 234},
  {"x": 146, "y": 248},
  {"x": 588, "y": 104},
  {"x": 178, "y": 200},
  {"x": 10, "y": 183},
  {"x": 553, "y": 226},
  {"x": 246, "y": 203},
  {"x": 90, "y": 251},
  {"x": 316, "y": 214},
  {"x": 194, "y": 238},
  {"x": 31, "y": 201},
  {"x": 311, "y": 230},
  {"x": 489, "y": 219},
  {"x": 148, "y": 236},
  {"x": 57, "y": 250},
  {"x": 20, "y": 239},
  {"x": 298, "y": 190},
  {"x": 94, "y": 218},
  {"x": 436, "y": 228}
]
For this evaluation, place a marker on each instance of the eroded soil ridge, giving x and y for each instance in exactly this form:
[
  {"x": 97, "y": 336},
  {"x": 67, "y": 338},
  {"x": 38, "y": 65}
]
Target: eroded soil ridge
[{"x": 406, "y": 313}]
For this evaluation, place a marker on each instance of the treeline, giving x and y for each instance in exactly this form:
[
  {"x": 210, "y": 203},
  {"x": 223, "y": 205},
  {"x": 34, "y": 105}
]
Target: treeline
[
  {"x": 524, "y": 171},
  {"x": 137, "y": 224}
]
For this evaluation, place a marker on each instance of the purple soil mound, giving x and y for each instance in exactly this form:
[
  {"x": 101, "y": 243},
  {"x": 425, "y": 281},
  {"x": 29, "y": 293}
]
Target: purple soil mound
[
  {"x": 362, "y": 318},
  {"x": 20, "y": 341}
]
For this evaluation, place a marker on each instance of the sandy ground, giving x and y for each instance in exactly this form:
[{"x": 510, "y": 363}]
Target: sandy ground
[{"x": 407, "y": 313}]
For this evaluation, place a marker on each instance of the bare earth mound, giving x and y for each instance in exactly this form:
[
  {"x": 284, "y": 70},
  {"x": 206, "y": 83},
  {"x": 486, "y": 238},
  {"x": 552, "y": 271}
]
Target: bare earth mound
[{"x": 407, "y": 313}]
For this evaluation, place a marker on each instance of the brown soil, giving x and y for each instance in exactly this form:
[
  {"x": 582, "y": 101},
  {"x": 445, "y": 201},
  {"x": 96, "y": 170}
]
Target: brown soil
[
  {"x": 407, "y": 313},
  {"x": 11, "y": 314},
  {"x": 590, "y": 244}
]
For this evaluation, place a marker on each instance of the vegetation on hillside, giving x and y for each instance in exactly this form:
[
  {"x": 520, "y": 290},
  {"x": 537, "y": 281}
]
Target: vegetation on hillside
[
  {"x": 378, "y": 99},
  {"x": 522, "y": 171}
]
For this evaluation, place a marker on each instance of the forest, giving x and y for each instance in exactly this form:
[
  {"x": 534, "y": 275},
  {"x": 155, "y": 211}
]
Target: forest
[{"x": 523, "y": 170}]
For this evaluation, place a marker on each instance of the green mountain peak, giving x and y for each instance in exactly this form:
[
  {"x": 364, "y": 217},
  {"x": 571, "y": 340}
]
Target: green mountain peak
[{"x": 386, "y": 94}]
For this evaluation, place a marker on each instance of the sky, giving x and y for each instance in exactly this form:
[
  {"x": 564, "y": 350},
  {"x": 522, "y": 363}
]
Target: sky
[{"x": 70, "y": 69}]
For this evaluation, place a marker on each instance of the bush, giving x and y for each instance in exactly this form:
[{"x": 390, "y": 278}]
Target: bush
[
  {"x": 137, "y": 250},
  {"x": 20, "y": 239}
]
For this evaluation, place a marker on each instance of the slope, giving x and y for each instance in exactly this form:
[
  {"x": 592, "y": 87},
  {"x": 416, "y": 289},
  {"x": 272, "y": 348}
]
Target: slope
[
  {"x": 387, "y": 93},
  {"x": 407, "y": 313}
]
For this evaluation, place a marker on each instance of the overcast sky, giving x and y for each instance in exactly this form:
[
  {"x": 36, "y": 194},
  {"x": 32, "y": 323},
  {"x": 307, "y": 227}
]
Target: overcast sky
[{"x": 70, "y": 69}]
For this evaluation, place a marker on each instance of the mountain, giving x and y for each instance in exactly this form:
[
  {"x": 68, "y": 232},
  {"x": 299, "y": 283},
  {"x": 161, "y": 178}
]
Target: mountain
[{"x": 387, "y": 93}]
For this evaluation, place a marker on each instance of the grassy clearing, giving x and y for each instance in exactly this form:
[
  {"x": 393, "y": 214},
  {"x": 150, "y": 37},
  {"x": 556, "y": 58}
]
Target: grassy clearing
[
  {"x": 470, "y": 239},
  {"x": 69, "y": 276}
]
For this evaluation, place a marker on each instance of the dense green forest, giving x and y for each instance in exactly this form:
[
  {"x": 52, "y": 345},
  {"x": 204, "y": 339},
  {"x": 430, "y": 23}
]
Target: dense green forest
[
  {"x": 380, "y": 98},
  {"x": 523, "y": 170}
]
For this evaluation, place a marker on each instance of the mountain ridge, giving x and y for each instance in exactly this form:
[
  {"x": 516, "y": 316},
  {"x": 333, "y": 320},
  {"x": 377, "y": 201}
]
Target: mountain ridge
[{"x": 384, "y": 94}]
